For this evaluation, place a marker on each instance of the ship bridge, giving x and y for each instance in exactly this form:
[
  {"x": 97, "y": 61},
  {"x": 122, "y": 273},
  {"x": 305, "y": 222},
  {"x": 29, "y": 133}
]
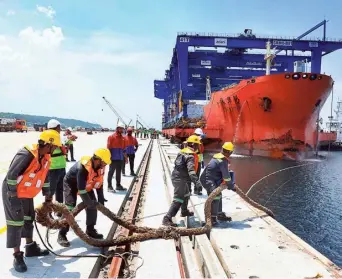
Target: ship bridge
[{"x": 218, "y": 60}]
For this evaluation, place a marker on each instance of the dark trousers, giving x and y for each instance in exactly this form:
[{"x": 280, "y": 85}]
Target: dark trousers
[
  {"x": 131, "y": 158},
  {"x": 216, "y": 205},
  {"x": 115, "y": 166},
  {"x": 20, "y": 223},
  {"x": 71, "y": 150},
  {"x": 70, "y": 196},
  {"x": 56, "y": 183}
]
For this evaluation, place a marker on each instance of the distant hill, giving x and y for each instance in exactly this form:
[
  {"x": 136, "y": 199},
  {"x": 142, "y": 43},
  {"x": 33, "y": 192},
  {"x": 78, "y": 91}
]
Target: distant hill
[{"x": 36, "y": 119}]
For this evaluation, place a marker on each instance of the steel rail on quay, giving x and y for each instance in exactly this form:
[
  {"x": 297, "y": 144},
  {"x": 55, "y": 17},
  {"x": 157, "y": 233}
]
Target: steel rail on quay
[
  {"x": 128, "y": 209},
  {"x": 193, "y": 257}
]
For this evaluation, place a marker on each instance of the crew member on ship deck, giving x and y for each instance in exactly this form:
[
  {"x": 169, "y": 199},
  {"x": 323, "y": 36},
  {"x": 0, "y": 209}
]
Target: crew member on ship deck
[{"x": 216, "y": 174}]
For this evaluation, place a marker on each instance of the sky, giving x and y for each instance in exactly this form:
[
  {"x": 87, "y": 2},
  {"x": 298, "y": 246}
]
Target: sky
[{"x": 58, "y": 58}]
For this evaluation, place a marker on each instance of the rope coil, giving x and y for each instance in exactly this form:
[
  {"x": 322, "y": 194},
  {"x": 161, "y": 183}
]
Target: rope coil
[{"x": 140, "y": 233}]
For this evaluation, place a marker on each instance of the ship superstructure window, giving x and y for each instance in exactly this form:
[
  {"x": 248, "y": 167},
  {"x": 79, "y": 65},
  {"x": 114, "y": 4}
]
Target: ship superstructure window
[
  {"x": 296, "y": 76},
  {"x": 313, "y": 77}
]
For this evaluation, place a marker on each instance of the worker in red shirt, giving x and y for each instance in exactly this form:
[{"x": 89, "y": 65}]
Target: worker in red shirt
[
  {"x": 131, "y": 148},
  {"x": 116, "y": 143}
]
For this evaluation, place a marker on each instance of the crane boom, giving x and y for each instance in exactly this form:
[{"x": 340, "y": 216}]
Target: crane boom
[{"x": 116, "y": 113}]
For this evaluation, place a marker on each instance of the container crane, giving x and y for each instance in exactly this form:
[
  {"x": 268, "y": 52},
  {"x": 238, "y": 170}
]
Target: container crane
[{"x": 116, "y": 113}]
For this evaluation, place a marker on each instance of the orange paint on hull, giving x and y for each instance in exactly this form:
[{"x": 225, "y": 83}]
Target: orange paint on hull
[{"x": 285, "y": 129}]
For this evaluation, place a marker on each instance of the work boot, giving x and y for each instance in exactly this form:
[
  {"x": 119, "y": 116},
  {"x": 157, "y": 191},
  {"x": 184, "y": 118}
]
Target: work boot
[
  {"x": 167, "y": 221},
  {"x": 33, "y": 250},
  {"x": 62, "y": 240},
  {"x": 120, "y": 188},
  {"x": 184, "y": 209},
  {"x": 133, "y": 174},
  {"x": 214, "y": 221},
  {"x": 19, "y": 263},
  {"x": 221, "y": 216},
  {"x": 92, "y": 232},
  {"x": 110, "y": 189}
]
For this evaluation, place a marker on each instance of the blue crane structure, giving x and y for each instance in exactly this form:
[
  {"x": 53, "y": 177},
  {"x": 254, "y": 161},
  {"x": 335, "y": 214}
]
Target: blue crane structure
[{"x": 218, "y": 60}]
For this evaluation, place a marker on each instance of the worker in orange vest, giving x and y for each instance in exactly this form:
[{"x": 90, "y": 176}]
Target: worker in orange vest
[
  {"x": 131, "y": 148},
  {"x": 26, "y": 177},
  {"x": 183, "y": 174},
  {"x": 82, "y": 178}
]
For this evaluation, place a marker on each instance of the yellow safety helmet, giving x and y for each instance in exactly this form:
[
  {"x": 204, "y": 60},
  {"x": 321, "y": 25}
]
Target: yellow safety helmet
[
  {"x": 193, "y": 139},
  {"x": 51, "y": 137},
  {"x": 228, "y": 146},
  {"x": 104, "y": 155}
]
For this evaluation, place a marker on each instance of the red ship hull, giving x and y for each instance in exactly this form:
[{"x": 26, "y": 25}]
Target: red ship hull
[{"x": 273, "y": 116}]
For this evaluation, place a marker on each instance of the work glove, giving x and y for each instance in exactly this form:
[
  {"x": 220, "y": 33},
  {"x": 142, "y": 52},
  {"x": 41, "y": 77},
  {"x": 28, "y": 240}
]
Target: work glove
[
  {"x": 48, "y": 199},
  {"x": 91, "y": 204},
  {"x": 16, "y": 205},
  {"x": 202, "y": 163},
  {"x": 198, "y": 185}
]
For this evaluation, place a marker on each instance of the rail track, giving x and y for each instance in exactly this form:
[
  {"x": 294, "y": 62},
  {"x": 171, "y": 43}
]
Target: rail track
[{"x": 196, "y": 256}]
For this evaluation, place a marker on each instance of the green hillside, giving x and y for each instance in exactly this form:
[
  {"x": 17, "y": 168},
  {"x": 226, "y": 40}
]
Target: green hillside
[{"x": 36, "y": 119}]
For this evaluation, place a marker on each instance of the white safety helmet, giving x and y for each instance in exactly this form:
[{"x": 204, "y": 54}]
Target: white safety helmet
[
  {"x": 199, "y": 131},
  {"x": 53, "y": 123},
  {"x": 69, "y": 129},
  {"x": 120, "y": 125}
]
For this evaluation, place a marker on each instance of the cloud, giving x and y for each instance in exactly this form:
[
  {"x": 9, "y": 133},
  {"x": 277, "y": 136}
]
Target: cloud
[
  {"x": 48, "y": 11},
  {"x": 10, "y": 13},
  {"x": 43, "y": 72}
]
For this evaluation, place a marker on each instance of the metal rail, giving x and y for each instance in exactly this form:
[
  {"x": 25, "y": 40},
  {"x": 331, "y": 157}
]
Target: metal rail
[
  {"x": 100, "y": 261},
  {"x": 117, "y": 262}
]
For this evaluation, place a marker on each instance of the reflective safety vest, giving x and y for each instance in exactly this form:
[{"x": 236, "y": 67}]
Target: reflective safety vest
[
  {"x": 220, "y": 157},
  {"x": 31, "y": 182},
  {"x": 95, "y": 178},
  {"x": 187, "y": 150}
]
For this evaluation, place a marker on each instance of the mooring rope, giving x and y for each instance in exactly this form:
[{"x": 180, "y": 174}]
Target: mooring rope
[{"x": 141, "y": 233}]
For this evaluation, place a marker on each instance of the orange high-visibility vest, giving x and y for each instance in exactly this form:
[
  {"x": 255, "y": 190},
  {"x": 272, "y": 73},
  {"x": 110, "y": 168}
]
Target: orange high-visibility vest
[
  {"x": 31, "y": 182},
  {"x": 95, "y": 178}
]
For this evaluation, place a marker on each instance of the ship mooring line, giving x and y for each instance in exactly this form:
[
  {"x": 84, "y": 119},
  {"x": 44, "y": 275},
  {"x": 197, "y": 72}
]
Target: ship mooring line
[{"x": 275, "y": 172}]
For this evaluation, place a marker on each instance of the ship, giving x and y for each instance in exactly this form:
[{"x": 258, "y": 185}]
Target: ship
[{"x": 275, "y": 115}]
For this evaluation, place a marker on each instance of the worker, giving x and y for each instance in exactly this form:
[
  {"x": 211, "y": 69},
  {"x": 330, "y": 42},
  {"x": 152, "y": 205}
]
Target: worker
[
  {"x": 82, "y": 178},
  {"x": 69, "y": 139},
  {"x": 26, "y": 177},
  {"x": 216, "y": 174},
  {"x": 57, "y": 167},
  {"x": 116, "y": 143},
  {"x": 131, "y": 149},
  {"x": 200, "y": 151},
  {"x": 182, "y": 175}
]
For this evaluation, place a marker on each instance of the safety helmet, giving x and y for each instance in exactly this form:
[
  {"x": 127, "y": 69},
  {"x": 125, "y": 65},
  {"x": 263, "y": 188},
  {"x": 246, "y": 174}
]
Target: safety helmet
[
  {"x": 69, "y": 129},
  {"x": 193, "y": 139},
  {"x": 120, "y": 125},
  {"x": 199, "y": 131},
  {"x": 228, "y": 146},
  {"x": 130, "y": 129},
  {"x": 51, "y": 137},
  {"x": 104, "y": 155},
  {"x": 53, "y": 123}
]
